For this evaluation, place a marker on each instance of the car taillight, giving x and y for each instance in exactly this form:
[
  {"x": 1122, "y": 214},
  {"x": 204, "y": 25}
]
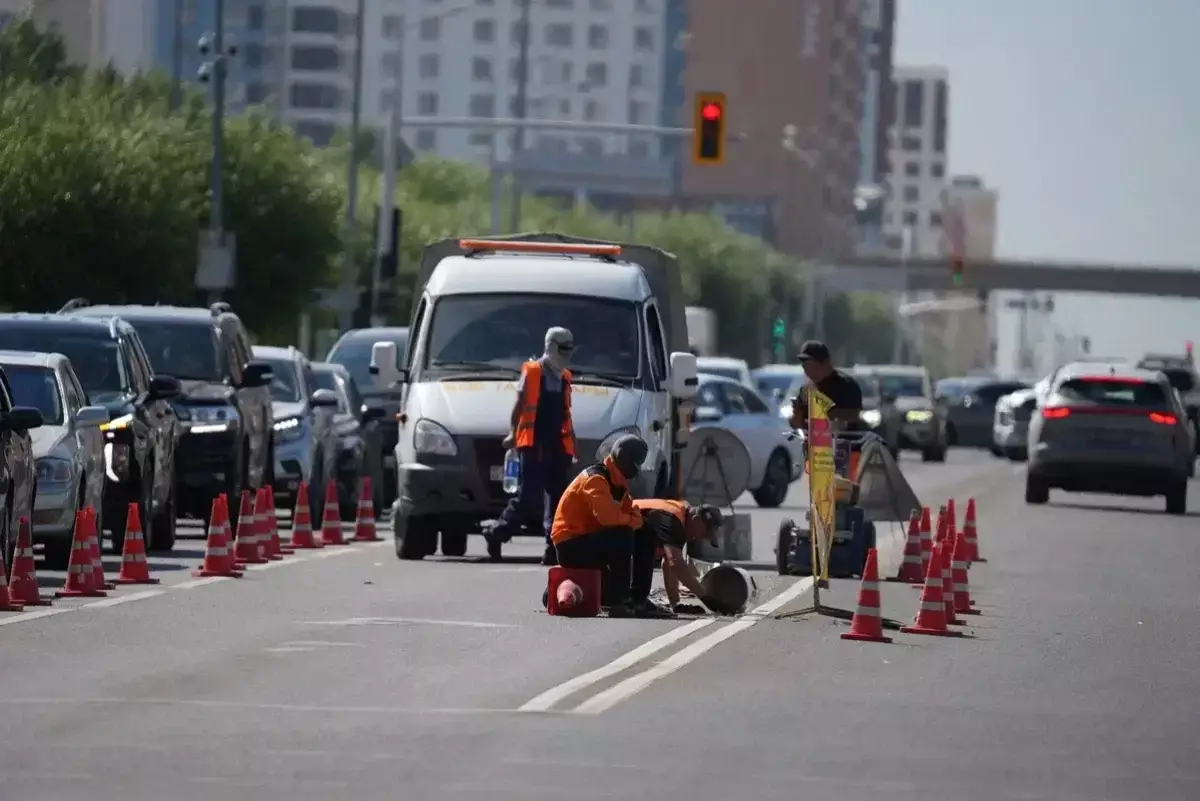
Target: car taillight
[
  {"x": 1163, "y": 419},
  {"x": 1055, "y": 412}
]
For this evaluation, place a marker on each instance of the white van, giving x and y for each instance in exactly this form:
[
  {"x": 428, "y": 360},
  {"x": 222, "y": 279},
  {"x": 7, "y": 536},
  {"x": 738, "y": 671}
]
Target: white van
[{"x": 483, "y": 309}]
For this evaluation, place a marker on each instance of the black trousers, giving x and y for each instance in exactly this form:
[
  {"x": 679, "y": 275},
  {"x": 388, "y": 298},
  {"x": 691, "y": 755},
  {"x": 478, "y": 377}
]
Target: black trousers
[{"x": 625, "y": 557}]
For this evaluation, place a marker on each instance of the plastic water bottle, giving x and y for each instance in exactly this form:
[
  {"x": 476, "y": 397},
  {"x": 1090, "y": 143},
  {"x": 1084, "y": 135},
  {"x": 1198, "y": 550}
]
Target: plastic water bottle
[{"x": 512, "y": 472}]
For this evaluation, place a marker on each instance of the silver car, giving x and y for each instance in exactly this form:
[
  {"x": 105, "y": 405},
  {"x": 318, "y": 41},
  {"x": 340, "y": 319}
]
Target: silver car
[
  {"x": 306, "y": 442},
  {"x": 1112, "y": 429},
  {"x": 1010, "y": 424},
  {"x": 68, "y": 448},
  {"x": 907, "y": 409}
]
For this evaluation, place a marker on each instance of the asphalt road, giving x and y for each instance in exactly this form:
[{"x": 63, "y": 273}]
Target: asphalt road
[{"x": 348, "y": 672}]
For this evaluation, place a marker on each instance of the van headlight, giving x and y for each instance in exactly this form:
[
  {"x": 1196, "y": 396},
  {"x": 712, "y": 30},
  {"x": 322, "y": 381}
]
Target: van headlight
[
  {"x": 871, "y": 417},
  {"x": 52, "y": 472},
  {"x": 918, "y": 417},
  {"x": 289, "y": 429},
  {"x": 431, "y": 438},
  {"x": 606, "y": 445}
]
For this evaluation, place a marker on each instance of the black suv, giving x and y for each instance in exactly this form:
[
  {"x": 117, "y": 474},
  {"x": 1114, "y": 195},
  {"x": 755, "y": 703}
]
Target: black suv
[
  {"x": 225, "y": 402},
  {"x": 140, "y": 437}
]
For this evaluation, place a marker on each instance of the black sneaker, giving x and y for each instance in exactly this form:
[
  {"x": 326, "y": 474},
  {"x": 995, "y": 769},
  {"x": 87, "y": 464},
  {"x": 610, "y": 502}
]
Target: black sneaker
[
  {"x": 647, "y": 609},
  {"x": 620, "y": 610},
  {"x": 549, "y": 556},
  {"x": 545, "y": 599}
]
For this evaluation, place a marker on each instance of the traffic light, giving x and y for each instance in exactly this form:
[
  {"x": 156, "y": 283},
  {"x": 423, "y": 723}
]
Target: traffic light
[
  {"x": 778, "y": 329},
  {"x": 956, "y": 270},
  {"x": 709, "y": 147}
]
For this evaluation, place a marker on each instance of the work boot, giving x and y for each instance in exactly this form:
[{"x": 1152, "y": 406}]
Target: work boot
[
  {"x": 647, "y": 609},
  {"x": 495, "y": 547},
  {"x": 550, "y": 556}
]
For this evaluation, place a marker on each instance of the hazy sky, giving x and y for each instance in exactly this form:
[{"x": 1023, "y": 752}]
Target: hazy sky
[{"x": 1085, "y": 114}]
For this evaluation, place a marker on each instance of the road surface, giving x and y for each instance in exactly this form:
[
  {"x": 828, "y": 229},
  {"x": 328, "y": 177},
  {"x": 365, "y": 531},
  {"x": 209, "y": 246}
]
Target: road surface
[{"x": 346, "y": 673}]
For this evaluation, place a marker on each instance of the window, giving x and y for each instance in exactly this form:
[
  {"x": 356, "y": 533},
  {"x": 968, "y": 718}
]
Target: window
[
  {"x": 428, "y": 65},
  {"x": 941, "y": 98},
  {"x": 658, "y": 348},
  {"x": 252, "y": 55},
  {"x": 643, "y": 38},
  {"x": 518, "y": 32},
  {"x": 637, "y": 112},
  {"x": 1106, "y": 392},
  {"x": 285, "y": 381},
  {"x": 637, "y": 76},
  {"x": 315, "y": 96},
  {"x": 912, "y": 194},
  {"x": 393, "y": 27},
  {"x": 481, "y": 69},
  {"x": 354, "y": 353},
  {"x": 427, "y": 104},
  {"x": 481, "y": 139},
  {"x": 591, "y": 146},
  {"x": 514, "y": 70},
  {"x": 560, "y": 34},
  {"x": 564, "y": 107},
  {"x": 187, "y": 351},
  {"x": 316, "y": 59},
  {"x": 426, "y": 139},
  {"x": 430, "y": 29},
  {"x": 937, "y": 170},
  {"x": 390, "y": 63},
  {"x": 601, "y": 5},
  {"x": 319, "y": 132},
  {"x": 910, "y": 218},
  {"x": 316, "y": 20},
  {"x": 912, "y": 169},
  {"x": 36, "y": 387},
  {"x": 596, "y": 75},
  {"x": 254, "y": 18},
  {"x": 593, "y": 111},
  {"x": 482, "y": 106},
  {"x": 597, "y": 37},
  {"x": 639, "y": 148},
  {"x": 911, "y": 143},
  {"x": 935, "y": 219},
  {"x": 914, "y": 103},
  {"x": 484, "y": 31},
  {"x": 645, "y": 6}
]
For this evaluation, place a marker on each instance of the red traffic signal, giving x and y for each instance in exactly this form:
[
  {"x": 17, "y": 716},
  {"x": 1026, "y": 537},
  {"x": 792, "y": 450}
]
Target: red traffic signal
[
  {"x": 709, "y": 123},
  {"x": 710, "y": 111}
]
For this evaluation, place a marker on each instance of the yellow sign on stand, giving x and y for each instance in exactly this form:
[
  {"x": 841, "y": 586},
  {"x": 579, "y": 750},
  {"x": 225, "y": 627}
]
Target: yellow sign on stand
[{"x": 821, "y": 482}]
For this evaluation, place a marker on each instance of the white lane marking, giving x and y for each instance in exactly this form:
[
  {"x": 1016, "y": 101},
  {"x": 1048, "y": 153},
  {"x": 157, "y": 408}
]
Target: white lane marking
[
  {"x": 123, "y": 599},
  {"x": 207, "y": 703},
  {"x": 286, "y": 650},
  {"x": 200, "y": 582},
  {"x": 546, "y": 701},
  {"x": 322, "y": 644},
  {"x": 21, "y": 617},
  {"x": 629, "y": 687},
  {"x": 401, "y": 621}
]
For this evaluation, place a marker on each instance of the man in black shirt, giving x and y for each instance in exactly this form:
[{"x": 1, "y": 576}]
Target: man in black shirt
[
  {"x": 840, "y": 388},
  {"x": 670, "y": 525}
]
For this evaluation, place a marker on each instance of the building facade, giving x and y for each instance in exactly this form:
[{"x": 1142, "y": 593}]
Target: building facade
[
  {"x": 878, "y": 32},
  {"x": 917, "y": 155},
  {"x": 971, "y": 210}
]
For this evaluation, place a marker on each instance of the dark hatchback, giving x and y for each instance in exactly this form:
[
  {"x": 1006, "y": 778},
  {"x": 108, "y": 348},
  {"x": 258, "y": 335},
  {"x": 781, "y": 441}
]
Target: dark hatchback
[{"x": 970, "y": 405}]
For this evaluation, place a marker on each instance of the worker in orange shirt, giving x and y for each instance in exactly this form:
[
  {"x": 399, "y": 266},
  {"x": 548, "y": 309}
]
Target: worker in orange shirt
[
  {"x": 672, "y": 525},
  {"x": 544, "y": 436},
  {"x": 597, "y": 526}
]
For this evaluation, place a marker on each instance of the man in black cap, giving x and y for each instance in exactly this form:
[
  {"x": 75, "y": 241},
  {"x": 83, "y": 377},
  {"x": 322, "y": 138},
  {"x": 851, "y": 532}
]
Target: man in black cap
[{"x": 840, "y": 388}]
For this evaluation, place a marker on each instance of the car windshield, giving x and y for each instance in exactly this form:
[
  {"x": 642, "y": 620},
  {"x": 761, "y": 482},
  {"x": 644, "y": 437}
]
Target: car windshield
[
  {"x": 1181, "y": 380},
  {"x": 901, "y": 386},
  {"x": 955, "y": 388},
  {"x": 36, "y": 387},
  {"x": 721, "y": 370},
  {"x": 327, "y": 380},
  {"x": 991, "y": 393},
  {"x": 505, "y": 330},
  {"x": 1121, "y": 392},
  {"x": 768, "y": 384},
  {"x": 96, "y": 359},
  {"x": 187, "y": 351},
  {"x": 354, "y": 353},
  {"x": 285, "y": 388}
]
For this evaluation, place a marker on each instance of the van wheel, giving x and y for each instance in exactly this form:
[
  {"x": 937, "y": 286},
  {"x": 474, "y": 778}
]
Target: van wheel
[
  {"x": 1037, "y": 491},
  {"x": 415, "y": 537},
  {"x": 454, "y": 543},
  {"x": 934, "y": 455},
  {"x": 1177, "y": 499}
]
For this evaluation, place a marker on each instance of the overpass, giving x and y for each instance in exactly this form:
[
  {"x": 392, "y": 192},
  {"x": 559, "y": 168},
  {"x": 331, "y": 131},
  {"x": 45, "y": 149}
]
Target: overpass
[{"x": 886, "y": 274}]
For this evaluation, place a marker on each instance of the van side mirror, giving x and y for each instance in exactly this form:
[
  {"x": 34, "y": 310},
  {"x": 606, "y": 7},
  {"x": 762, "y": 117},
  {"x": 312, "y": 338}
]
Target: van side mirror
[
  {"x": 682, "y": 383},
  {"x": 384, "y": 364},
  {"x": 324, "y": 399},
  {"x": 91, "y": 417}
]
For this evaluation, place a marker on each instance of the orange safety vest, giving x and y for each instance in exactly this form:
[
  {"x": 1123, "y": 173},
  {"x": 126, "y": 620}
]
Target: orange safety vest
[
  {"x": 532, "y": 371},
  {"x": 677, "y": 508}
]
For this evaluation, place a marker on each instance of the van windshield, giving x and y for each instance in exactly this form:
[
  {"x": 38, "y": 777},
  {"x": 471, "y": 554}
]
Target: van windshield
[{"x": 506, "y": 330}]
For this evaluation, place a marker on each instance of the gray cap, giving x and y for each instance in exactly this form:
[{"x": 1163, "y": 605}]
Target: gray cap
[
  {"x": 560, "y": 337},
  {"x": 630, "y": 451}
]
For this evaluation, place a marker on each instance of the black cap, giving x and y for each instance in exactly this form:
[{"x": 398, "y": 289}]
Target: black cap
[
  {"x": 813, "y": 351},
  {"x": 713, "y": 519}
]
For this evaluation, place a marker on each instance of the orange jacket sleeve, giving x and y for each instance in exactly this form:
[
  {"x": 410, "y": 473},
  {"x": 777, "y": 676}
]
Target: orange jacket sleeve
[{"x": 607, "y": 512}]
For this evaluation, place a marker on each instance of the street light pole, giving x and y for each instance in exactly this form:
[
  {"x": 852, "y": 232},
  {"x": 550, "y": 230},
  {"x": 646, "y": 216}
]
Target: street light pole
[
  {"x": 522, "y": 112},
  {"x": 349, "y": 278}
]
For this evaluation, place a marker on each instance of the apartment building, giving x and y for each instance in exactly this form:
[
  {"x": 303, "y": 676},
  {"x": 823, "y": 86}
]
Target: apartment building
[
  {"x": 916, "y": 158},
  {"x": 790, "y": 62},
  {"x": 878, "y": 19},
  {"x": 80, "y": 22},
  {"x": 971, "y": 214}
]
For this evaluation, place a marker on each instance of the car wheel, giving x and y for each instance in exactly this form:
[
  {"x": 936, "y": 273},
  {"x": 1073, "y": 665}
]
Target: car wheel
[
  {"x": 1015, "y": 454},
  {"x": 162, "y": 537},
  {"x": 783, "y": 547},
  {"x": 1036, "y": 490},
  {"x": 934, "y": 455},
  {"x": 775, "y": 483},
  {"x": 454, "y": 543},
  {"x": 951, "y": 435},
  {"x": 1177, "y": 499},
  {"x": 996, "y": 450},
  {"x": 415, "y": 537}
]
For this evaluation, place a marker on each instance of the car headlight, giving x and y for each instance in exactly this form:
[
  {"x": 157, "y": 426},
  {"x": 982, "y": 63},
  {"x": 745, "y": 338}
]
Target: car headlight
[
  {"x": 212, "y": 415},
  {"x": 289, "y": 429},
  {"x": 118, "y": 423},
  {"x": 606, "y": 445},
  {"x": 53, "y": 471},
  {"x": 431, "y": 438},
  {"x": 871, "y": 417},
  {"x": 918, "y": 417}
]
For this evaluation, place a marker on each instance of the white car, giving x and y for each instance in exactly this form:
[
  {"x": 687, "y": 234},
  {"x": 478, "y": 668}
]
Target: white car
[
  {"x": 774, "y": 381},
  {"x": 776, "y": 460},
  {"x": 1010, "y": 426},
  {"x": 737, "y": 369}
]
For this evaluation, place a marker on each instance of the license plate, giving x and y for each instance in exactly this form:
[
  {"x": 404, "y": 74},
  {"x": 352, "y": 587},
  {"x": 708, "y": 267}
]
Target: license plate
[
  {"x": 498, "y": 472},
  {"x": 389, "y": 460}
]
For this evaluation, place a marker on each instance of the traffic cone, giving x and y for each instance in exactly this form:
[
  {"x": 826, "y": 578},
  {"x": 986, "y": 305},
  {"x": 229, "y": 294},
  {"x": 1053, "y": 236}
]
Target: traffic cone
[
  {"x": 930, "y": 541},
  {"x": 867, "y": 625},
  {"x": 910, "y": 568},
  {"x": 331, "y": 523},
  {"x": 246, "y": 550},
  {"x": 218, "y": 552},
  {"x": 89, "y": 516},
  {"x": 134, "y": 567},
  {"x": 7, "y": 602},
  {"x": 948, "y": 584},
  {"x": 262, "y": 527},
  {"x": 80, "y": 583},
  {"x": 958, "y": 572},
  {"x": 970, "y": 530},
  {"x": 277, "y": 546},
  {"x": 951, "y": 519},
  {"x": 364, "y": 524},
  {"x": 931, "y": 616},
  {"x": 302, "y": 533},
  {"x": 24, "y": 584},
  {"x": 943, "y": 526}
]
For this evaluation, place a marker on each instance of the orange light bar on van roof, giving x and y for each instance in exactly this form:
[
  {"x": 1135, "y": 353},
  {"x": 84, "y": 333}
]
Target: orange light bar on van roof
[{"x": 564, "y": 248}]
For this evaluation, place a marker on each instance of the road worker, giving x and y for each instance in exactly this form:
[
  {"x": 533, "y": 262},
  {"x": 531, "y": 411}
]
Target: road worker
[
  {"x": 597, "y": 526},
  {"x": 672, "y": 525},
  {"x": 542, "y": 432}
]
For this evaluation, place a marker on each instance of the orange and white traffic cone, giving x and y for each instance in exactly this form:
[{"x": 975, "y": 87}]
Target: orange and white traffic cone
[
  {"x": 302, "y": 533},
  {"x": 943, "y": 526},
  {"x": 89, "y": 516},
  {"x": 135, "y": 569},
  {"x": 246, "y": 549},
  {"x": 951, "y": 520},
  {"x": 971, "y": 532},
  {"x": 218, "y": 551},
  {"x": 262, "y": 527},
  {"x": 23, "y": 586},
  {"x": 331, "y": 523},
  {"x": 867, "y": 624},
  {"x": 926, "y": 539},
  {"x": 364, "y": 523},
  {"x": 948, "y": 584},
  {"x": 7, "y": 602},
  {"x": 930, "y": 541},
  {"x": 963, "y": 605},
  {"x": 931, "y": 616},
  {"x": 276, "y": 542},
  {"x": 80, "y": 583},
  {"x": 910, "y": 568}
]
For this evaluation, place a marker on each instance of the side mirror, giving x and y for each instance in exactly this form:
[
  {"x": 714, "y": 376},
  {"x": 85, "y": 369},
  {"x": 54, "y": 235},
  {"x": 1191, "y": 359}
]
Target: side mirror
[
  {"x": 324, "y": 399},
  {"x": 370, "y": 413},
  {"x": 384, "y": 360},
  {"x": 707, "y": 414},
  {"x": 91, "y": 417},
  {"x": 163, "y": 387},
  {"x": 257, "y": 374},
  {"x": 681, "y": 382},
  {"x": 22, "y": 418}
]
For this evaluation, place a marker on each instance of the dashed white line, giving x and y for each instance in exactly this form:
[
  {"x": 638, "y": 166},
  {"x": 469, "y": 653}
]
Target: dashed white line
[{"x": 123, "y": 599}]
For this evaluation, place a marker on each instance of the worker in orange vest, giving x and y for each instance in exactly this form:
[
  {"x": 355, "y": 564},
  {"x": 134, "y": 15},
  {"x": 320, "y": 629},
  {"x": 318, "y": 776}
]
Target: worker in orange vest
[
  {"x": 542, "y": 432},
  {"x": 672, "y": 525}
]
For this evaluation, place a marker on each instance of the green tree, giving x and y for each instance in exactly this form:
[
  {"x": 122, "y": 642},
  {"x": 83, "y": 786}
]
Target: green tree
[{"x": 31, "y": 53}]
